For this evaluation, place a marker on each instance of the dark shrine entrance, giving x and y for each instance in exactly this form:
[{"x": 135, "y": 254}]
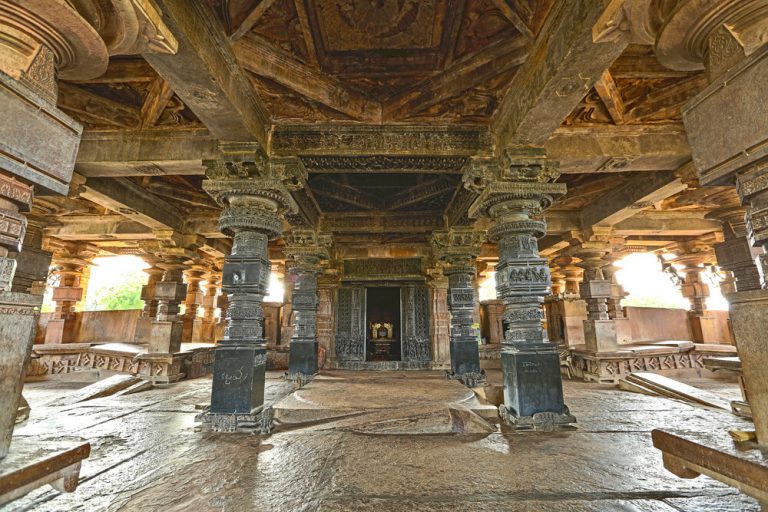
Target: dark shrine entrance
[{"x": 383, "y": 337}]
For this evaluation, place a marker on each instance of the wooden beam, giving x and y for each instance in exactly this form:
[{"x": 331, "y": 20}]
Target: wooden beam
[
  {"x": 609, "y": 93},
  {"x": 667, "y": 100},
  {"x": 249, "y": 17},
  {"x": 259, "y": 58},
  {"x": 463, "y": 74},
  {"x": 514, "y": 17},
  {"x": 206, "y": 76},
  {"x": 160, "y": 93},
  {"x": 346, "y": 194},
  {"x": 306, "y": 31},
  {"x": 564, "y": 65},
  {"x": 95, "y": 108}
]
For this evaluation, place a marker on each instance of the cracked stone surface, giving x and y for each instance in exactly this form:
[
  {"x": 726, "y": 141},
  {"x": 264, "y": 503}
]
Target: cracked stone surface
[{"x": 373, "y": 441}]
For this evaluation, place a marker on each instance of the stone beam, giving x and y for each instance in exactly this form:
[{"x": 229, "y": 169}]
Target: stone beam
[
  {"x": 160, "y": 93},
  {"x": 133, "y": 202},
  {"x": 98, "y": 227},
  {"x": 243, "y": 15},
  {"x": 364, "y": 222},
  {"x": 581, "y": 149},
  {"x": 565, "y": 63},
  {"x": 206, "y": 76},
  {"x": 96, "y": 108},
  {"x": 257, "y": 57},
  {"x": 348, "y": 140},
  {"x": 643, "y": 222},
  {"x": 623, "y": 202},
  {"x": 144, "y": 152},
  {"x": 120, "y": 71}
]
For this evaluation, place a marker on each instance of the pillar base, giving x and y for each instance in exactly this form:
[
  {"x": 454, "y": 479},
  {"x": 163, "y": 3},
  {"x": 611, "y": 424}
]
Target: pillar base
[
  {"x": 600, "y": 336},
  {"x": 238, "y": 380},
  {"x": 749, "y": 315},
  {"x": 465, "y": 360},
  {"x": 258, "y": 422},
  {"x": 533, "y": 386},
  {"x": 165, "y": 337},
  {"x": 143, "y": 331},
  {"x": 303, "y": 358},
  {"x": 18, "y": 321}
]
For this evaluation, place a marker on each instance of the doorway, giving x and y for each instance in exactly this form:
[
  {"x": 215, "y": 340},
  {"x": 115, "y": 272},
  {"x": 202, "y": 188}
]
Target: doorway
[{"x": 382, "y": 313}]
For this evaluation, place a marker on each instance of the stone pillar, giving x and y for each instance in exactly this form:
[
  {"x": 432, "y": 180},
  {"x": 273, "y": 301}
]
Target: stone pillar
[
  {"x": 694, "y": 256},
  {"x": 726, "y": 124},
  {"x": 599, "y": 330},
  {"x": 440, "y": 327},
  {"x": 71, "y": 261},
  {"x": 327, "y": 284},
  {"x": 207, "y": 329},
  {"x": 254, "y": 198},
  {"x": 307, "y": 249},
  {"x": 458, "y": 248},
  {"x": 735, "y": 254},
  {"x": 514, "y": 193},
  {"x": 148, "y": 314},
  {"x": 615, "y": 309},
  {"x": 286, "y": 316},
  {"x": 167, "y": 328},
  {"x": 32, "y": 270},
  {"x": 39, "y": 42},
  {"x": 192, "y": 302}
]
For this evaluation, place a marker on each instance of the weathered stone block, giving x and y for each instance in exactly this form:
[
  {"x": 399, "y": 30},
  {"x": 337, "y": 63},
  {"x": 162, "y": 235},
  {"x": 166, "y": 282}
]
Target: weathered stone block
[
  {"x": 238, "y": 380},
  {"x": 165, "y": 337},
  {"x": 532, "y": 382},
  {"x": 303, "y": 358},
  {"x": 600, "y": 336}
]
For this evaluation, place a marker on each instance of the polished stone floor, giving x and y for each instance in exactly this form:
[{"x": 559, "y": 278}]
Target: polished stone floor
[{"x": 373, "y": 441}]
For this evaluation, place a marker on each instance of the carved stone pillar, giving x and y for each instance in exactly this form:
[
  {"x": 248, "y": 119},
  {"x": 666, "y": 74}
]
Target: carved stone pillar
[
  {"x": 39, "y": 41},
  {"x": 192, "y": 302},
  {"x": 208, "y": 323},
  {"x": 286, "y": 315},
  {"x": 32, "y": 270},
  {"x": 254, "y": 199},
  {"x": 599, "y": 330},
  {"x": 726, "y": 125},
  {"x": 458, "y": 248},
  {"x": 71, "y": 260},
  {"x": 148, "y": 314},
  {"x": 327, "y": 285},
  {"x": 165, "y": 337},
  {"x": 735, "y": 254},
  {"x": 308, "y": 249},
  {"x": 515, "y": 192},
  {"x": 440, "y": 316}
]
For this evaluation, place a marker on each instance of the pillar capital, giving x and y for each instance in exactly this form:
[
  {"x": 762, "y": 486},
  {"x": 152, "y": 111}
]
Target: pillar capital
[
  {"x": 307, "y": 248},
  {"x": 457, "y": 245}
]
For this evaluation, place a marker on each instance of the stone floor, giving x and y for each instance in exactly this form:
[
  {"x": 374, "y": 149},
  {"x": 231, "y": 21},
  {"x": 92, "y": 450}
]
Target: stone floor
[{"x": 377, "y": 446}]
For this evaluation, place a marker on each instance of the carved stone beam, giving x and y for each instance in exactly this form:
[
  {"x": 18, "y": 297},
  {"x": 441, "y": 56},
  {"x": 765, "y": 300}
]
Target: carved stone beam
[
  {"x": 419, "y": 193},
  {"x": 458, "y": 248},
  {"x": 206, "y": 76},
  {"x": 566, "y": 64}
]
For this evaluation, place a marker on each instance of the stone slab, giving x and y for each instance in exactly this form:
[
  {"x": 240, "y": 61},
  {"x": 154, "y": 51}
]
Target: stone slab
[
  {"x": 102, "y": 388},
  {"x": 676, "y": 389},
  {"x": 33, "y": 463}
]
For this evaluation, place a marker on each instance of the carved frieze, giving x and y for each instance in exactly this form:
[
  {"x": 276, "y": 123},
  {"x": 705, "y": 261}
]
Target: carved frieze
[{"x": 383, "y": 268}]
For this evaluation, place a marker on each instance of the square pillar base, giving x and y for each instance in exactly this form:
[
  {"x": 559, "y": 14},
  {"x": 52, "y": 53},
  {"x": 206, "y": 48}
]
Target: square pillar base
[
  {"x": 238, "y": 379},
  {"x": 303, "y": 358},
  {"x": 18, "y": 321},
  {"x": 143, "y": 332},
  {"x": 600, "y": 336},
  {"x": 533, "y": 387},
  {"x": 165, "y": 337},
  {"x": 749, "y": 317},
  {"x": 465, "y": 362}
]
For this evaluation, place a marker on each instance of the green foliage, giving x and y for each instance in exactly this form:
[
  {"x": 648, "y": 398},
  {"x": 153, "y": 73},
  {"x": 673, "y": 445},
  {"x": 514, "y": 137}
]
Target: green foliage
[{"x": 124, "y": 294}]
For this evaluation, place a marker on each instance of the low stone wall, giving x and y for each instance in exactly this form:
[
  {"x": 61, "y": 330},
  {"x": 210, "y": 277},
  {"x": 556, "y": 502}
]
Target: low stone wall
[{"x": 97, "y": 326}]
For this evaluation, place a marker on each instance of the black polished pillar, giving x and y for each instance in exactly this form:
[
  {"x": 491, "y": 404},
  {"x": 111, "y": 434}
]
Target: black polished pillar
[
  {"x": 518, "y": 189},
  {"x": 459, "y": 248},
  {"x": 308, "y": 250},
  {"x": 254, "y": 199}
]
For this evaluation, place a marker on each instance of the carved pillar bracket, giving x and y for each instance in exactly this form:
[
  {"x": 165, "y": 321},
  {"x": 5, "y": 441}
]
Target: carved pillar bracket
[
  {"x": 735, "y": 254},
  {"x": 308, "y": 249},
  {"x": 254, "y": 200},
  {"x": 513, "y": 200},
  {"x": 458, "y": 248}
]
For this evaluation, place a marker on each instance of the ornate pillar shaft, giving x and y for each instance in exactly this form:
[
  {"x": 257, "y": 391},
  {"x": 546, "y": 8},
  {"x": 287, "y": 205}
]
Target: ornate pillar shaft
[
  {"x": 458, "y": 248},
  {"x": 307, "y": 249},
  {"x": 192, "y": 302},
  {"x": 71, "y": 261},
  {"x": 516, "y": 193},
  {"x": 165, "y": 337},
  {"x": 253, "y": 198},
  {"x": 208, "y": 322}
]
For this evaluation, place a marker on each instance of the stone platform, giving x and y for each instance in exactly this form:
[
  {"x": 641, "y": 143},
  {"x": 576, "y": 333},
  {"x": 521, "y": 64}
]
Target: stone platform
[
  {"x": 192, "y": 361},
  {"x": 662, "y": 356}
]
